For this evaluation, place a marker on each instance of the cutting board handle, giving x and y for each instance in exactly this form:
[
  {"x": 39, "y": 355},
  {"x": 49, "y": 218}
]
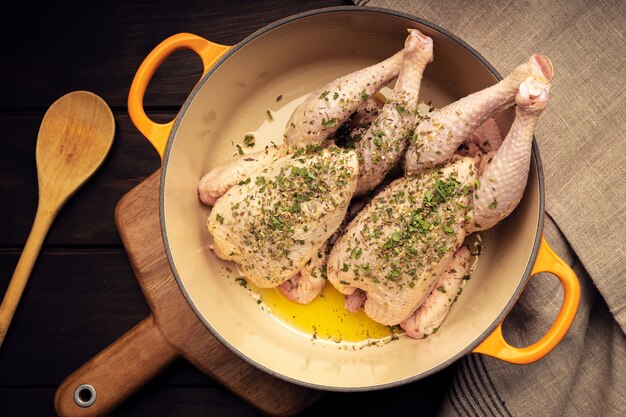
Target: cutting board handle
[{"x": 115, "y": 373}]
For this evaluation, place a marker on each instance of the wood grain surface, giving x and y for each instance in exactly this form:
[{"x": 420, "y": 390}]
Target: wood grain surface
[
  {"x": 74, "y": 139},
  {"x": 82, "y": 294},
  {"x": 171, "y": 330}
]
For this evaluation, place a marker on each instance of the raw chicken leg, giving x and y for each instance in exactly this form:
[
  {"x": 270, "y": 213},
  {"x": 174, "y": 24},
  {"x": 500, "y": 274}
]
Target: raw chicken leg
[
  {"x": 311, "y": 123},
  {"x": 397, "y": 248},
  {"x": 321, "y": 114},
  {"x": 382, "y": 144},
  {"x": 504, "y": 180},
  {"x": 503, "y": 177},
  {"x": 436, "y": 139}
]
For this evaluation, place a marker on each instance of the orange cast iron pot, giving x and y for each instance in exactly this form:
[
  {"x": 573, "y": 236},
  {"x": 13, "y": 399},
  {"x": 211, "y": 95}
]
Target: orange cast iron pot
[{"x": 291, "y": 58}]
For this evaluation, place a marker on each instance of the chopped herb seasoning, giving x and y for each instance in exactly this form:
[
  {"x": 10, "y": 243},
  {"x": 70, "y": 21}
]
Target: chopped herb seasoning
[
  {"x": 324, "y": 95},
  {"x": 242, "y": 281},
  {"x": 442, "y": 290},
  {"x": 335, "y": 96},
  {"x": 273, "y": 218},
  {"x": 328, "y": 123},
  {"x": 409, "y": 229},
  {"x": 279, "y": 98},
  {"x": 493, "y": 204},
  {"x": 364, "y": 95},
  {"x": 239, "y": 149},
  {"x": 249, "y": 141}
]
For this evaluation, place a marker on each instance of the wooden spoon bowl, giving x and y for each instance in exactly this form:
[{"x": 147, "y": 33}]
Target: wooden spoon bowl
[{"x": 74, "y": 139}]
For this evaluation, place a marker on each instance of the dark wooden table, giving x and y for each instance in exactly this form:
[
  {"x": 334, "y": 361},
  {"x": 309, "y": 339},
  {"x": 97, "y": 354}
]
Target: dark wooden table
[{"x": 82, "y": 294}]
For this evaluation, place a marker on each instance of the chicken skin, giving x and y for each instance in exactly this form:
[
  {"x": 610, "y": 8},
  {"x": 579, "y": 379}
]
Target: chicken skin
[
  {"x": 311, "y": 123},
  {"x": 220, "y": 179},
  {"x": 254, "y": 221},
  {"x": 429, "y": 316},
  {"x": 382, "y": 138},
  {"x": 437, "y": 138},
  {"x": 382, "y": 144},
  {"x": 396, "y": 248},
  {"x": 274, "y": 221},
  {"x": 282, "y": 213},
  {"x": 403, "y": 243}
]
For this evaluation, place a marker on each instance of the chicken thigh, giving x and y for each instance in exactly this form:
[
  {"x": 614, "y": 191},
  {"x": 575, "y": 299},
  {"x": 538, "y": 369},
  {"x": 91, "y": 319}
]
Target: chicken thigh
[
  {"x": 386, "y": 138},
  {"x": 311, "y": 123},
  {"x": 274, "y": 221},
  {"x": 398, "y": 247}
]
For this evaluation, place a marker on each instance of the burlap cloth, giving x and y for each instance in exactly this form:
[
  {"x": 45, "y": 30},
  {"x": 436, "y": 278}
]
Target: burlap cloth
[{"x": 583, "y": 146}]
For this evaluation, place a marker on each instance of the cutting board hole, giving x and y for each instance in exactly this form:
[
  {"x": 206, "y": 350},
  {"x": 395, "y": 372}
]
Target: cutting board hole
[{"x": 85, "y": 395}]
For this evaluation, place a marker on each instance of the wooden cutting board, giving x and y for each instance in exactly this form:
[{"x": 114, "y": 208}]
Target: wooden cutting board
[{"x": 172, "y": 330}]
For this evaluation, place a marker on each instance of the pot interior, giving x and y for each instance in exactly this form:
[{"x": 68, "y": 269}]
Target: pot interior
[{"x": 289, "y": 60}]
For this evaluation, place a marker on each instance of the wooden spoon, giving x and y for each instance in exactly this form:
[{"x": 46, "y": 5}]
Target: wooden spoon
[{"x": 74, "y": 138}]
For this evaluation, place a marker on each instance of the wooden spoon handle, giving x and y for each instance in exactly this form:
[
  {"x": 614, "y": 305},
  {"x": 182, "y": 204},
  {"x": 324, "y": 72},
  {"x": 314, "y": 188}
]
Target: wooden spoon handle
[
  {"x": 115, "y": 373},
  {"x": 41, "y": 225}
]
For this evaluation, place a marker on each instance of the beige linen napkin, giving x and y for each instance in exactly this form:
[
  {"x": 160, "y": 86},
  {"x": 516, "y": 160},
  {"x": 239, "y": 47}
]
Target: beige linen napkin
[{"x": 583, "y": 148}]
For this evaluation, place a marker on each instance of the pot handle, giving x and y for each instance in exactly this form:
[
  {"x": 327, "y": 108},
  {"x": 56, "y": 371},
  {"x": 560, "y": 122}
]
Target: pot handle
[
  {"x": 547, "y": 261},
  {"x": 115, "y": 373},
  {"x": 158, "y": 133}
]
